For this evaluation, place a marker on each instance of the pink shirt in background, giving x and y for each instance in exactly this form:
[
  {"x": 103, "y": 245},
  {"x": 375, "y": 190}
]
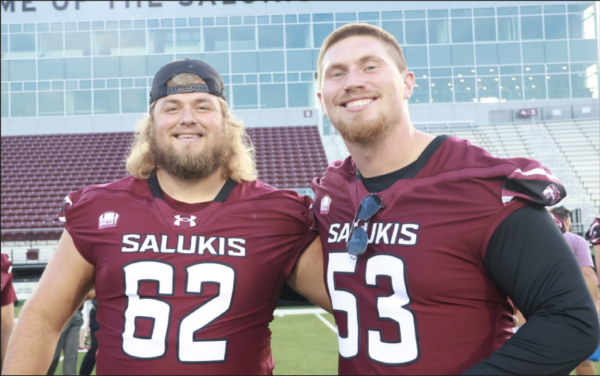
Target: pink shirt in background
[{"x": 580, "y": 248}]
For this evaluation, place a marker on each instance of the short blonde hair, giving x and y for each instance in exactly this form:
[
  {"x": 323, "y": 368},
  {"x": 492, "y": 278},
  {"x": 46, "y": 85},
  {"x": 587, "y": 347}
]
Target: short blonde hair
[
  {"x": 362, "y": 29},
  {"x": 240, "y": 166}
]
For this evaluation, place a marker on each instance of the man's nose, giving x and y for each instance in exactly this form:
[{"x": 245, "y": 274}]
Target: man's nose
[
  {"x": 187, "y": 116},
  {"x": 354, "y": 80}
]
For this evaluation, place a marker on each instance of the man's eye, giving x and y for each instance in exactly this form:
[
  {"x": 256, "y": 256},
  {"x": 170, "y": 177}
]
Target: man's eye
[
  {"x": 371, "y": 67},
  {"x": 337, "y": 74}
]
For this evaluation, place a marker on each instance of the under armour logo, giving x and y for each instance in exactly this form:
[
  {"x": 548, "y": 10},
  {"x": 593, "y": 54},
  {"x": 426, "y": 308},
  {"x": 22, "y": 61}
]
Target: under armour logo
[{"x": 191, "y": 220}]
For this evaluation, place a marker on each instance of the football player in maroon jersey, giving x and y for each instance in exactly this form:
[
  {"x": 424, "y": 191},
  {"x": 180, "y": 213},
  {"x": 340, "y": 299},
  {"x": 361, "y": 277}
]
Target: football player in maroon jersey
[
  {"x": 188, "y": 255},
  {"x": 7, "y": 299},
  {"x": 425, "y": 238}
]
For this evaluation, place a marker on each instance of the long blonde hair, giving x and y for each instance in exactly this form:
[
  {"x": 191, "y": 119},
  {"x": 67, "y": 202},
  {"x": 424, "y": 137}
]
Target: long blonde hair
[{"x": 241, "y": 164}]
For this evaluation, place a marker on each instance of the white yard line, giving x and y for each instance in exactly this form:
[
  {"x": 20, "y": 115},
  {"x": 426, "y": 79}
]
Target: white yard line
[
  {"x": 79, "y": 350},
  {"x": 307, "y": 311},
  {"x": 326, "y": 322}
]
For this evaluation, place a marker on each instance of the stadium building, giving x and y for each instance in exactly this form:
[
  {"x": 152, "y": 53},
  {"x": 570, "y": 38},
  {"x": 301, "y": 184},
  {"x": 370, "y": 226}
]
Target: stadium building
[{"x": 519, "y": 78}]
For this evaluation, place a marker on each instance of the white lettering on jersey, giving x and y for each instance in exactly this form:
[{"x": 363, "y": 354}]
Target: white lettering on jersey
[
  {"x": 325, "y": 203},
  {"x": 108, "y": 219},
  {"x": 235, "y": 247},
  {"x": 401, "y": 234},
  {"x": 190, "y": 220}
]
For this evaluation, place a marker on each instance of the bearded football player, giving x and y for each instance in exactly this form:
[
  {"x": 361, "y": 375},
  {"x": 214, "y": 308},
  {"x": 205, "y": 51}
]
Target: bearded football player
[
  {"x": 188, "y": 255},
  {"x": 426, "y": 240}
]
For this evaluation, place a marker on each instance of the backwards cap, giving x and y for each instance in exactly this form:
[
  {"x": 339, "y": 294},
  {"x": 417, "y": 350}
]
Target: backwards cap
[{"x": 214, "y": 81}]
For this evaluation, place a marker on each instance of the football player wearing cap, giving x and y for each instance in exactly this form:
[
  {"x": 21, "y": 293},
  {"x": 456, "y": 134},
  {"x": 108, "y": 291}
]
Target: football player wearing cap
[
  {"x": 425, "y": 238},
  {"x": 188, "y": 255},
  {"x": 7, "y": 298}
]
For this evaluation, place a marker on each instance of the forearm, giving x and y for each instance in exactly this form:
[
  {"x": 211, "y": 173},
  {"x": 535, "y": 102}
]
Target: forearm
[
  {"x": 8, "y": 322},
  {"x": 597, "y": 257},
  {"x": 592, "y": 283},
  {"x": 33, "y": 334}
]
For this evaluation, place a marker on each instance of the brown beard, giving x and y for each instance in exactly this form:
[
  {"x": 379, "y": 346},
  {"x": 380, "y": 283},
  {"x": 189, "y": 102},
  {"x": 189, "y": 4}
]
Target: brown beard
[
  {"x": 360, "y": 131},
  {"x": 188, "y": 166}
]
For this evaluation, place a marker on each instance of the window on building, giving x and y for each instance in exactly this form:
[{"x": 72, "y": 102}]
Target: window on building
[
  {"x": 50, "y": 45},
  {"x": 558, "y": 86},
  {"x": 51, "y": 69},
  {"x": 462, "y": 30},
  {"x": 23, "y": 104},
  {"x": 51, "y": 103},
  {"x": 106, "y": 102},
  {"x": 79, "y": 102},
  {"x": 244, "y": 62},
  {"x": 531, "y": 28},
  {"x": 134, "y": 101},
  {"x": 320, "y": 32},
  {"x": 533, "y": 52},
  {"x": 271, "y": 61},
  {"x": 462, "y": 54},
  {"x": 160, "y": 41},
  {"x": 508, "y": 29},
  {"x": 394, "y": 28},
  {"x": 78, "y": 44},
  {"x": 416, "y": 32},
  {"x": 243, "y": 38},
  {"x": 133, "y": 42},
  {"x": 245, "y": 97},
  {"x": 438, "y": 31},
  {"x": 270, "y": 37},
  {"x": 300, "y": 60},
  {"x": 535, "y": 87},
  {"x": 583, "y": 25},
  {"x": 219, "y": 61},
  {"x": 22, "y": 46},
  {"x": 509, "y": 53},
  {"x": 416, "y": 56},
  {"x": 555, "y": 26},
  {"x": 21, "y": 70},
  {"x": 272, "y": 96},
  {"x": 511, "y": 88},
  {"x": 133, "y": 66},
  {"x": 106, "y": 67},
  {"x": 297, "y": 36},
  {"x": 440, "y": 56},
  {"x": 441, "y": 90},
  {"x": 486, "y": 54},
  {"x": 556, "y": 52},
  {"x": 5, "y": 103},
  {"x": 105, "y": 42},
  {"x": 485, "y": 29},
  {"x": 421, "y": 91},
  {"x": 301, "y": 94}
]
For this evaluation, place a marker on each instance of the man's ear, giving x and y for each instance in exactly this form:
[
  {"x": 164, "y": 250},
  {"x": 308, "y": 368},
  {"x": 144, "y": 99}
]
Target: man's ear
[
  {"x": 320, "y": 95},
  {"x": 409, "y": 83}
]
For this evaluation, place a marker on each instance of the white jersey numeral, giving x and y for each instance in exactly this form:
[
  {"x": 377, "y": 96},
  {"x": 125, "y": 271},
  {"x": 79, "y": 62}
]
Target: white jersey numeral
[
  {"x": 392, "y": 307},
  {"x": 158, "y": 310}
]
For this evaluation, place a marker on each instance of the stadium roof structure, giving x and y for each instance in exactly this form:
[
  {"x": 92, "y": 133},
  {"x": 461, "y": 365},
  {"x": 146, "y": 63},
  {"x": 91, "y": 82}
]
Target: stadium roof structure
[{"x": 38, "y": 171}]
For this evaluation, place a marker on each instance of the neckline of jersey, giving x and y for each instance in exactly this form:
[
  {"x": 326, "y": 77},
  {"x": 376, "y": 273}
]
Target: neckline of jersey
[
  {"x": 380, "y": 183},
  {"x": 157, "y": 192}
]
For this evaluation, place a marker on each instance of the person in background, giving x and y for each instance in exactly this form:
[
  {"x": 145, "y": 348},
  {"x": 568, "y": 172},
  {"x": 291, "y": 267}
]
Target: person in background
[
  {"x": 89, "y": 361},
  {"x": 584, "y": 259},
  {"x": 593, "y": 236},
  {"x": 69, "y": 342},
  {"x": 7, "y": 300}
]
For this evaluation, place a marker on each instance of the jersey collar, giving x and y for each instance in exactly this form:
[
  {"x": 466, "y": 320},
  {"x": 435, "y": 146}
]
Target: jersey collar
[{"x": 222, "y": 196}]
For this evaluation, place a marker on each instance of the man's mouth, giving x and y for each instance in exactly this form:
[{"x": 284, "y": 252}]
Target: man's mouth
[
  {"x": 188, "y": 136},
  {"x": 358, "y": 102}
]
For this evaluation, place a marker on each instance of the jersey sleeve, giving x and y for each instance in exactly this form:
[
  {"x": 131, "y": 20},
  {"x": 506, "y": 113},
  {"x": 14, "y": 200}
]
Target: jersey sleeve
[
  {"x": 593, "y": 234},
  {"x": 7, "y": 294},
  {"x": 531, "y": 181},
  {"x": 77, "y": 223},
  {"x": 303, "y": 231}
]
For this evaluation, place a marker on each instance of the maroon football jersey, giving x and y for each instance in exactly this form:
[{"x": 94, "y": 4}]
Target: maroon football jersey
[
  {"x": 189, "y": 290},
  {"x": 419, "y": 300},
  {"x": 593, "y": 234},
  {"x": 7, "y": 292}
]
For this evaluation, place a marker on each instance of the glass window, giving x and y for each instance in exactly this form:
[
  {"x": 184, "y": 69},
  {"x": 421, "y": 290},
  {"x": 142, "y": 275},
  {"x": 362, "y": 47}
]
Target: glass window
[
  {"x": 467, "y": 71},
  {"x": 251, "y": 79},
  {"x": 51, "y": 103},
  {"x": 245, "y": 97},
  {"x": 320, "y": 32},
  {"x": 112, "y": 25},
  {"x": 5, "y": 69},
  {"x": 262, "y": 20},
  {"x": 99, "y": 25},
  {"x": 125, "y": 24},
  {"x": 558, "y": 86},
  {"x": 278, "y": 77},
  {"x": 22, "y": 46},
  {"x": 584, "y": 50},
  {"x": 369, "y": 16},
  {"x": 440, "y": 56},
  {"x": 509, "y": 53},
  {"x": 485, "y": 29},
  {"x": 486, "y": 54},
  {"x": 79, "y": 102},
  {"x": 487, "y": 71},
  {"x": 462, "y": 54},
  {"x": 99, "y": 84},
  {"x": 535, "y": 87},
  {"x": 554, "y": 8},
  {"x": 106, "y": 102},
  {"x": 16, "y": 86},
  {"x": 244, "y": 62},
  {"x": 488, "y": 89},
  {"x": 133, "y": 42},
  {"x": 84, "y": 26},
  {"x": 508, "y": 28},
  {"x": 531, "y": 10},
  {"x": 582, "y": 25},
  {"x": 411, "y": 14},
  {"x": 581, "y": 7},
  {"x": 345, "y": 16},
  {"x": 216, "y": 39},
  {"x": 21, "y": 70},
  {"x": 219, "y": 61},
  {"x": 394, "y": 28},
  {"x": 322, "y": 17},
  {"x": 291, "y": 18},
  {"x": 15, "y": 28},
  {"x": 4, "y": 45},
  {"x": 304, "y": 18},
  {"x": 139, "y": 82},
  {"x": 533, "y": 52},
  {"x": 265, "y": 78},
  {"x": 441, "y": 72},
  {"x": 235, "y": 20},
  {"x": 271, "y": 61},
  {"x": 531, "y": 28},
  {"x": 301, "y": 95},
  {"x": 300, "y": 60},
  {"x": 462, "y": 30},
  {"x": 243, "y": 38},
  {"x": 51, "y": 69},
  {"x": 30, "y": 86},
  {"x": 556, "y": 52},
  {"x": 105, "y": 67},
  {"x": 71, "y": 26},
  {"x": 160, "y": 41},
  {"x": 237, "y": 79},
  {"x": 272, "y": 96},
  {"x": 557, "y": 68},
  {"x": 106, "y": 42},
  {"x": 555, "y": 26},
  {"x": 23, "y": 104},
  {"x": 276, "y": 19},
  {"x": 307, "y": 77},
  {"x": 133, "y": 101},
  {"x": 529, "y": 69},
  {"x": 44, "y": 85},
  {"x": 441, "y": 90},
  {"x": 114, "y": 83},
  {"x": 484, "y": 12},
  {"x": 421, "y": 91},
  {"x": 297, "y": 36},
  {"x": 222, "y": 21},
  {"x": 416, "y": 56},
  {"x": 77, "y": 68},
  {"x": 133, "y": 66},
  {"x": 392, "y": 15},
  {"x": 78, "y": 44},
  {"x": 85, "y": 84},
  {"x": 511, "y": 88},
  {"x": 460, "y": 12},
  {"x": 437, "y": 13},
  {"x": 4, "y": 104},
  {"x": 585, "y": 84},
  {"x": 50, "y": 45},
  {"x": 270, "y": 36},
  {"x": 438, "y": 31},
  {"x": 416, "y": 32},
  {"x": 424, "y": 73}
]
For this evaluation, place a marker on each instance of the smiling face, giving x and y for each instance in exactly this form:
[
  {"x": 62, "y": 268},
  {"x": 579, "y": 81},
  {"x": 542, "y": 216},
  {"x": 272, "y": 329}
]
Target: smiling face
[
  {"x": 363, "y": 92},
  {"x": 189, "y": 138}
]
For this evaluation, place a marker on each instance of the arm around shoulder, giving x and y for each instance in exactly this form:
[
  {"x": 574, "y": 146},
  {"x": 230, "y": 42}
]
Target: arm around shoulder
[{"x": 66, "y": 281}]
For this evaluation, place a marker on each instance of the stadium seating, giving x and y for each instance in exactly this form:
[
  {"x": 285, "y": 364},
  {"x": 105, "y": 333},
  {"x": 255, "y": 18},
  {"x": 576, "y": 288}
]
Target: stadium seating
[{"x": 39, "y": 171}]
